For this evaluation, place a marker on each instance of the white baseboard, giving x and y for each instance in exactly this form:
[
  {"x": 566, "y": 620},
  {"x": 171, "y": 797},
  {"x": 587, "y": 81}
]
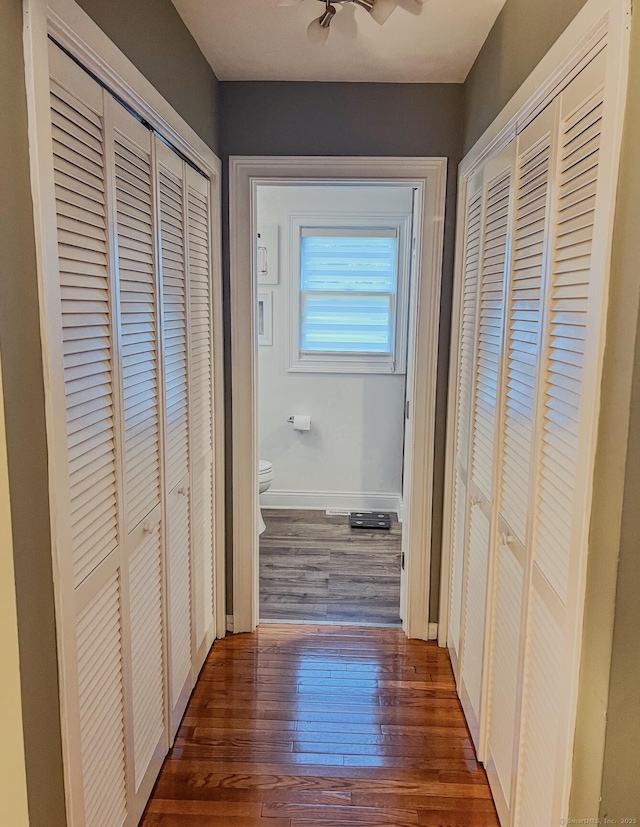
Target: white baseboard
[
  {"x": 433, "y": 631},
  {"x": 230, "y": 623},
  {"x": 322, "y": 500}
]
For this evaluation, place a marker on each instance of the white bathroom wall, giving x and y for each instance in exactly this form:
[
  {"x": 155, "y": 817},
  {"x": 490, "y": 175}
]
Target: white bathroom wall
[{"x": 352, "y": 456}]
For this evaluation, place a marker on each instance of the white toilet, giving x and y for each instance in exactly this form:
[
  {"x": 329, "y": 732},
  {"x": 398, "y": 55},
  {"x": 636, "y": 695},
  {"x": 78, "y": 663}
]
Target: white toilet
[{"x": 265, "y": 479}]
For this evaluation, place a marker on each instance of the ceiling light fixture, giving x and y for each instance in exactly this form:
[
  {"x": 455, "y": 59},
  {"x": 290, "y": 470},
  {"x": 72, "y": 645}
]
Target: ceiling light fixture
[{"x": 379, "y": 10}]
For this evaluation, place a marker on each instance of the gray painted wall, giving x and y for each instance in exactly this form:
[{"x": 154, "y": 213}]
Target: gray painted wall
[
  {"x": 280, "y": 118},
  {"x": 521, "y": 36},
  {"x": 153, "y": 36},
  {"x": 26, "y": 440}
]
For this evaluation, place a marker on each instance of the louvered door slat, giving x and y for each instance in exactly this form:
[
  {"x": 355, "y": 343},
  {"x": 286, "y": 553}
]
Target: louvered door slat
[
  {"x": 147, "y": 659},
  {"x": 138, "y": 328},
  {"x": 101, "y": 712},
  {"x": 180, "y": 591},
  {"x": 540, "y": 718},
  {"x": 568, "y": 298},
  {"x": 503, "y": 685},
  {"x": 468, "y": 324},
  {"x": 457, "y": 562},
  {"x": 524, "y": 332},
  {"x": 200, "y": 403},
  {"x": 475, "y": 606},
  {"x": 466, "y": 357},
  {"x": 200, "y": 325},
  {"x": 86, "y": 324},
  {"x": 171, "y": 190},
  {"x": 202, "y": 540},
  {"x": 490, "y": 332}
]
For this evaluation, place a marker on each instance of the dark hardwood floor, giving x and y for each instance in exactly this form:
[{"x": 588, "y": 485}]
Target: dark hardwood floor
[
  {"x": 303, "y": 726},
  {"x": 315, "y": 568}
]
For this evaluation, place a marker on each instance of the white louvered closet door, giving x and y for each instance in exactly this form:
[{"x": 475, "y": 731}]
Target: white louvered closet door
[
  {"x": 138, "y": 316},
  {"x": 129, "y": 313},
  {"x": 573, "y": 331},
  {"x": 92, "y": 568},
  {"x": 464, "y": 386},
  {"x": 529, "y": 253},
  {"x": 484, "y": 419},
  {"x": 175, "y": 354},
  {"x": 199, "y": 262}
]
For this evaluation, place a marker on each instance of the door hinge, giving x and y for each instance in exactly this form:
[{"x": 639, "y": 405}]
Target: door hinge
[
  {"x": 402, "y": 561},
  {"x": 407, "y": 407}
]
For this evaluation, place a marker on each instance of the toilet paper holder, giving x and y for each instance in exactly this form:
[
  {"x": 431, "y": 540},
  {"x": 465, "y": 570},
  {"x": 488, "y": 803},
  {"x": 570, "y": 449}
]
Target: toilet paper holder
[{"x": 304, "y": 425}]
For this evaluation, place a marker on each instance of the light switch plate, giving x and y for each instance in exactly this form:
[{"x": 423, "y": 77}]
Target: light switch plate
[{"x": 268, "y": 254}]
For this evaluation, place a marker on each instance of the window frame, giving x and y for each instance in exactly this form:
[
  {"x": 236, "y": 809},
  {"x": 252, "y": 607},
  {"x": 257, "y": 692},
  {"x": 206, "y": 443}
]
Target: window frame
[{"x": 355, "y": 363}]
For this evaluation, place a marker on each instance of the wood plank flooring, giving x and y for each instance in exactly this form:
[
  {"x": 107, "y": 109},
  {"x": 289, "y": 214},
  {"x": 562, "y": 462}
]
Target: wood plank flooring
[
  {"x": 325, "y": 726},
  {"x": 316, "y": 568}
]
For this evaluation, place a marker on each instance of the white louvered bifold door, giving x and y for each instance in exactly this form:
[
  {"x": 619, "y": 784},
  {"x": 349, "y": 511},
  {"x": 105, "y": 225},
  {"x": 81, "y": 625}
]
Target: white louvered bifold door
[
  {"x": 529, "y": 252},
  {"x": 484, "y": 416},
  {"x": 466, "y": 359},
  {"x": 90, "y": 509},
  {"x": 175, "y": 354},
  {"x": 128, "y": 305},
  {"x": 199, "y": 261},
  {"x": 565, "y": 425},
  {"x": 137, "y": 293}
]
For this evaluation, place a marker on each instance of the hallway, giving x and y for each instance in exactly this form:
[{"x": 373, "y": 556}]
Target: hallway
[{"x": 323, "y": 726}]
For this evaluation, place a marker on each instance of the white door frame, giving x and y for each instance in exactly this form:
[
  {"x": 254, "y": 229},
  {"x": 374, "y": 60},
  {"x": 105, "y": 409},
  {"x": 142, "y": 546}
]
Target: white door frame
[{"x": 428, "y": 175}]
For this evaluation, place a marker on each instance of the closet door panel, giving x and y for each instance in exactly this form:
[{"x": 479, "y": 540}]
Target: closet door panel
[
  {"x": 83, "y": 258},
  {"x": 457, "y": 561},
  {"x": 474, "y": 611},
  {"x": 200, "y": 329},
  {"x": 138, "y": 313},
  {"x": 101, "y": 711},
  {"x": 202, "y": 539},
  {"x": 134, "y": 220},
  {"x": 91, "y": 503},
  {"x": 524, "y": 320},
  {"x": 171, "y": 188},
  {"x": 180, "y": 600},
  {"x": 175, "y": 348},
  {"x": 569, "y": 299},
  {"x": 518, "y": 399},
  {"x": 498, "y": 176},
  {"x": 506, "y": 630},
  {"x": 201, "y": 407},
  {"x": 572, "y": 331},
  {"x": 466, "y": 356},
  {"x": 146, "y": 572},
  {"x": 489, "y": 345}
]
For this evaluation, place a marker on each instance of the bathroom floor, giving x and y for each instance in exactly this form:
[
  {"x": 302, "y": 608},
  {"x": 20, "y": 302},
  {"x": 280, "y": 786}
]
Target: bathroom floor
[{"x": 316, "y": 568}]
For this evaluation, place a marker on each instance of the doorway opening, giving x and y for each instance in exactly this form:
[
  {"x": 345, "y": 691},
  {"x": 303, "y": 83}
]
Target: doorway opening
[
  {"x": 310, "y": 359},
  {"x": 334, "y": 292}
]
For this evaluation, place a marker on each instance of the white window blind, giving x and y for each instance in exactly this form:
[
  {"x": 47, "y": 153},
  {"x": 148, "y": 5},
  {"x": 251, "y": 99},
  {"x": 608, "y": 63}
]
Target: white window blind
[{"x": 349, "y": 289}]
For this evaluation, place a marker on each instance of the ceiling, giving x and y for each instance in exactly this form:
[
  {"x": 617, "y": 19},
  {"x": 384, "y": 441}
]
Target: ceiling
[{"x": 259, "y": 40}]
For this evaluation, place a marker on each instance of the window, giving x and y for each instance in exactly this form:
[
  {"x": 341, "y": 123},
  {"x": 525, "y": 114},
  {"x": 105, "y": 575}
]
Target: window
[{"x": 350, "y": 292}]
